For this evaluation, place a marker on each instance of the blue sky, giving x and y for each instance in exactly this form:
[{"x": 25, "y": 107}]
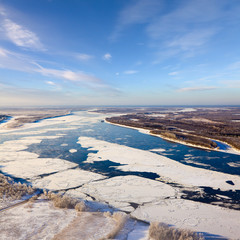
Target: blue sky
[{"x": 119, "y": 52}]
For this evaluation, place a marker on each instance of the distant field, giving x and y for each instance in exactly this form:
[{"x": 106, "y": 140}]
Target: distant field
[{"x": 23, "y": 116}]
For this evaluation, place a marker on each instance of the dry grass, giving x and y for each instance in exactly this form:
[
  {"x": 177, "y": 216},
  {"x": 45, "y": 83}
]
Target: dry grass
[
  {"x": 80, "y": 207},
  {"x": 120, "y": 219},
  {"x": 64, "y": 201},
  {"x": 161, "y": 231},
  {"x": 10, "y": 190}
]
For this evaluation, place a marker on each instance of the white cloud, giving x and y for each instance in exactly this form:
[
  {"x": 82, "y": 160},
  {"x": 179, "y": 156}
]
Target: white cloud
[
  {"x": 107, "y": 57},
  {"x": 69, "y": 75},
  {"x": 191, "y": 40},
  {"x": 54, "y": 85},
  {"x": 84, "y": 57},
  {"x": 15, "y": 61},
  {"x": 18, "y": 34},
  {"x": 173, "y": 73},
  {"x": 51, "y": 83},
  {"x": 193, "y": 89},
  {"x": 130, "y": 72},
  {"x": 2, "y": 11},
  {"x": 79, "y": 78},
  {"x": 21, "y": 36},
  {"x": 3, "y": 52}
]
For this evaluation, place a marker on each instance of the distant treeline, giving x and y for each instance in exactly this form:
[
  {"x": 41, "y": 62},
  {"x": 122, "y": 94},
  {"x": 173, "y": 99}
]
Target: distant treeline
[{"x": 194, "y": 128}]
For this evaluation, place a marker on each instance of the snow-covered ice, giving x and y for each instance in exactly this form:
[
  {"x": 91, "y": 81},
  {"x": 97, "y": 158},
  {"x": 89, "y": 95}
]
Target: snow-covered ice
[
  {"x": 192, "y": 215},
  {"x": 23, "y": 164},
  {"x": 121, "y": 191},
  {"x": 132, "y": 159},
  {"x": 72, "y": 150},
  {"x": 67, "y": 179}
]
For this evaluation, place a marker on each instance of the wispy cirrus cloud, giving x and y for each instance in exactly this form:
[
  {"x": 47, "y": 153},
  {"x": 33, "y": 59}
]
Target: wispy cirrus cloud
[
  {"x": 185, "y": 17},
  {"x": 195, "y": 89},
  {"x": 55, "y": 86},
  {"x": 187, "y": 28},
  {"x": 19, "y": 62},
  {"x": 21, "y": 36},
  {"x": 15, "y": 61},
  {"x": 129, "y": 72},
  {"x": 137, "y": 12},
  {"x": 173, "y": 73},
  {"x": 84, "y": 57},
  {"x": 231, "y": 83},
  {"x": 78, "y": 78},
  {"x": 184, "y": 29},
  {"x": 191, "y": 40},
  {"x": 18, "y": 34},
  {"x": 3, "y": 52}
]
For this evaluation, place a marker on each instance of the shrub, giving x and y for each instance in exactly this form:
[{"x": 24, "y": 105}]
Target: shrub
[
  {"x": 120, "y": 219},
  {"x": 80, "y": 207},
  {"x": 162, "y": 231},
  {"x": 33, "y": 198},
  {"x": 65, "y": 201},
  {"x": 12, "y": 190}
]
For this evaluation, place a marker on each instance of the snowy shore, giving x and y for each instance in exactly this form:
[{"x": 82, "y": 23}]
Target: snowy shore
[
  {"x": 230, "y": 149},
  {"x": 144, "y": 199}
]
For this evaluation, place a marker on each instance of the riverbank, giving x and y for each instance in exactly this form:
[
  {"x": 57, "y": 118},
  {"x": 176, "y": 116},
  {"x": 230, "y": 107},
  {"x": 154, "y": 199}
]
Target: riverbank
[
  {"x": 231, "y": 149},
  {"x": 21, "y": 117}
]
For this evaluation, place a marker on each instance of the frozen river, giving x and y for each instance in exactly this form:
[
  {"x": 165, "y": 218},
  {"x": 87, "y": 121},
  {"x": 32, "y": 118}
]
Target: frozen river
[
  {"x": 59, "y": 147},
  {"x": 126, "y": 169}
]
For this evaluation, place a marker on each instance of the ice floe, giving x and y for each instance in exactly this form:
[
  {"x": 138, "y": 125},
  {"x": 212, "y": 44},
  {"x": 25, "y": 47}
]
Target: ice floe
[
  {"x": 64, "y": 145},
  {"x": 192, "y": 215},
  {"x": 66, "y": 179},
  {"x": 121, "y": 191},
  {"x": 23, "y": 164},
  {"x": 132, "y": 159},
  {"x": 234, "y": 164},
  {"x": 157, "y": 150},
  {"x": 72, "y": 150}
]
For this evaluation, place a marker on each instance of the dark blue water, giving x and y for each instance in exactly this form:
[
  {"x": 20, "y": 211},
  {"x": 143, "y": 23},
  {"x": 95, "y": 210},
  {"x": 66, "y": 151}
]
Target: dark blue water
[{"x": 213, "y": 160}]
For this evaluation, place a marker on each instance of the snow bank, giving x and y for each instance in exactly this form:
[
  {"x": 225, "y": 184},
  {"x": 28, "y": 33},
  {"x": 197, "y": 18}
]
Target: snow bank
[{"x": 37, "y": 221}]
